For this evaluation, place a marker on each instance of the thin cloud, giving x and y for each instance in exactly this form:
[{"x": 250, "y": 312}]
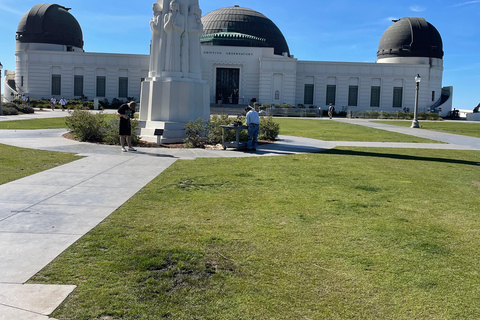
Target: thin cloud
[
  {"x": 417, "y": 9},
  {"x": 466, "y": 3},
  {"x": 10, "y": 9}
]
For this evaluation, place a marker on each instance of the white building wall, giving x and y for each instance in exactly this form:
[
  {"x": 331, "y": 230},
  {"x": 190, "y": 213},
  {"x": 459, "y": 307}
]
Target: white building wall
[
  {"x": 37, "y": 68},
  {"x": 342, "y": 73},
  {"x": 261, "y": 74}
]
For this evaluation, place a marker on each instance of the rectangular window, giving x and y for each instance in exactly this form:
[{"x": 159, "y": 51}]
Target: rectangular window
[
  {"x": 78, "y": 86},
  {"x": 123, "y": 87},
  {"x": 56, "y": 84},
  {"x": 375, "y": 96},
  {"x": 397, "y": 97},
  {"x": 433, "y": 95},
  {"x": 101, "y": 86},
  {"x": 331, "y": 91},
  {"x": 308, "y": 95},
  {"x": 353, "y": 96}
]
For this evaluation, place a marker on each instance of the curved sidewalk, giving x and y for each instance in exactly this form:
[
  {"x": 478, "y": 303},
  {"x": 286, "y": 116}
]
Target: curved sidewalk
[{"x": 43, "y": 214}]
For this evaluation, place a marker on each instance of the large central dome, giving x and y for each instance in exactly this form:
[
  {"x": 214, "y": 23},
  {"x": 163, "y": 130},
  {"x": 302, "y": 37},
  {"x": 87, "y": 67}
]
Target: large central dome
[{"x": 254, "y": 28}]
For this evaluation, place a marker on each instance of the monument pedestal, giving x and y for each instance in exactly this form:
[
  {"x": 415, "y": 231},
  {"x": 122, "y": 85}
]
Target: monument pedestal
[{"x": 169, "y": 103}]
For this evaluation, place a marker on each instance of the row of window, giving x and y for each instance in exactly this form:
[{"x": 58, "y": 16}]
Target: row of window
[
  {"x": 101, "y": 86},
  {"x": 353, "y": 95}
]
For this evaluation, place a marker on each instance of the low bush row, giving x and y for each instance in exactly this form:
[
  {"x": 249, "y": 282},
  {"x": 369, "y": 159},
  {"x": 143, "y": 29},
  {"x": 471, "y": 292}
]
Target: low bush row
[
  {"x": 12, "y": 108},
  {"x": 201, "y": 133}
]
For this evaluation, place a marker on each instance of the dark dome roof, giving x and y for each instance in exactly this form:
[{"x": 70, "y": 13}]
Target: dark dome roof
[
  {"x": 247, "y": 22},
  {"x": 411, "y": 37},
  {"x": 50, "y": 23}
]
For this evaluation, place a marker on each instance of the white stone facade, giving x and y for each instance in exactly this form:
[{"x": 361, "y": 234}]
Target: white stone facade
[
  {"x": 264, "y": 76},
  {"x": 35, "y": 70}
]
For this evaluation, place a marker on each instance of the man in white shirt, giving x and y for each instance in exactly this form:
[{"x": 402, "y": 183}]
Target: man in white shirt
[
  {"x": 253, "y": 124},
  {"x": 63, "y": 102}
]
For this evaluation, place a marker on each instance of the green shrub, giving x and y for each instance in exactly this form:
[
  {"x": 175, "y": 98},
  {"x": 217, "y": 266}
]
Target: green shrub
[
  {"x": 269, "y": 129},
  {"x": 201, "y": 132},
  {"x": 215, "y": 131},
  {"x": 265, "y": 106},
  {"x": 86, "y": 126},
  {"x": 9, "y": 110},
  {"x": 23, "y": 108},
  {"x": 197, "y": 133},
  {"x": 93, "y": 127}
]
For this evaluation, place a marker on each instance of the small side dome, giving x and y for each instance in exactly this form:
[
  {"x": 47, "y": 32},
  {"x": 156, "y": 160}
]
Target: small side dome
[
  {"x": 248, "y": 28},
  {"x": 50, "y": 23},
  {"x": 411, "y": 37}
]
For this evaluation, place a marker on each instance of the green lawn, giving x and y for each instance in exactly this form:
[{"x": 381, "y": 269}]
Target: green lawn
[
  {"x": 337, "y": 131},
  {"x": 16, "y": 163},
  {"x": 34, "y": 124},
  {"x": 47, "y": 123},
  {"x": 351, "y": 233},
  {"x": 462, "y": 128}
]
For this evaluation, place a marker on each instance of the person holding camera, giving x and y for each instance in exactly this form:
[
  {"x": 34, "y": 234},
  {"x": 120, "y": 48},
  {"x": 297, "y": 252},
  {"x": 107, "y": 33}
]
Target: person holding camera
[{"x": 126, "y": 112}]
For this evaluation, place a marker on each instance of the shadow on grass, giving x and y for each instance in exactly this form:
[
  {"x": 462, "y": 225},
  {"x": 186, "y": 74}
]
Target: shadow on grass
[{"x": 398, "y": 156}]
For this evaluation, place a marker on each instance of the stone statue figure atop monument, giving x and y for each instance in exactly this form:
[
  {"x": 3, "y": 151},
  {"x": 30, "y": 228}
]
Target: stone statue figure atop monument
[
  {"x": 174, "y": 25},
  {"x": 156, "y": 27},
  {"x": 195, "y": 31}
]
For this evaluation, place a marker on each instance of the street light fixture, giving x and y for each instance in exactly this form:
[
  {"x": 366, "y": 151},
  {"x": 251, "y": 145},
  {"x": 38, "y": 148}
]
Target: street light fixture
[
  {"x": 415, "y": 113},
  {"x": 1, "y": 111}
]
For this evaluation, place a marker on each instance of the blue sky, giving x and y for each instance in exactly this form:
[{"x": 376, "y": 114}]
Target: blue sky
[{"x": 336, "y": 30}]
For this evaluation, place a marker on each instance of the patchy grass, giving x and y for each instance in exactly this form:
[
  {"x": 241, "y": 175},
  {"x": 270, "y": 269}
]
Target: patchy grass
[
  {"x": 351, "y": 233},
  {"x": 16, "y": 163},
  {"x": 337, "y": 131},
  {"x": 463, "y": 128}
]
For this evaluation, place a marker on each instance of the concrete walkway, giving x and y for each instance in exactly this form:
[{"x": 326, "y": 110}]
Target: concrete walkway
[{"x": 43, "y": 214}]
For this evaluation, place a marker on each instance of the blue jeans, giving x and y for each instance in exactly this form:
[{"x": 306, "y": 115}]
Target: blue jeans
[{"x": 252, "y": 136}]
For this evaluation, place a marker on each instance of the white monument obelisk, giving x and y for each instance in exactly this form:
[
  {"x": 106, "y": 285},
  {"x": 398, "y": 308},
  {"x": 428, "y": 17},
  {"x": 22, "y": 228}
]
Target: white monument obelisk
[{"x": 174, "y": 92}]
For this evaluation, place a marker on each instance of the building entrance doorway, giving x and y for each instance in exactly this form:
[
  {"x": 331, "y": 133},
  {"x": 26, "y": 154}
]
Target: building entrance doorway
[{"x": 227, "y": 87}]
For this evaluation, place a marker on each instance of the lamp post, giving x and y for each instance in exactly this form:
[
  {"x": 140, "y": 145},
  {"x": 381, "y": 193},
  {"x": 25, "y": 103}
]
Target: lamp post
[
  {"x": 415, "y": 112},
  {"x": 1, "y": 111}
]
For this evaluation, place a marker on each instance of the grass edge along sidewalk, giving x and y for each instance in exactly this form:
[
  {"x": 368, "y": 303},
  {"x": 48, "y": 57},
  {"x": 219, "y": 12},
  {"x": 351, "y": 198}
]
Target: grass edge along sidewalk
[
  {"x": 328, "y": 130},
  {"x": 471, "y": 129},
  {"x": 348, "y": 233},
  {"x": 16, "y": 163}
]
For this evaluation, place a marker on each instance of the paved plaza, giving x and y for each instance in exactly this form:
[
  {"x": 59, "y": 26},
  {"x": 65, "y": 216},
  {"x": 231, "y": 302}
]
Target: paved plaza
[{"x": 43, "y": 214}]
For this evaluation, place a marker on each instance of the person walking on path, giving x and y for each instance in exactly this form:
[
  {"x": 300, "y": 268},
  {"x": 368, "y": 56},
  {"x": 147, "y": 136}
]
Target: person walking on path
[
  {"x": 331, "y": 110},
  {"x": 126, "y": 112},
  {"x": 253, "y": 124},
  {"x": 53, "y": 102},
  {"x": 63, "y": 102}
]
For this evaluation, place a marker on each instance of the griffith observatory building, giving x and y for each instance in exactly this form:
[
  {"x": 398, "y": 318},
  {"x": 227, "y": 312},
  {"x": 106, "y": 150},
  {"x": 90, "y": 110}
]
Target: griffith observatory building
[{"x": 244, "y": 56}]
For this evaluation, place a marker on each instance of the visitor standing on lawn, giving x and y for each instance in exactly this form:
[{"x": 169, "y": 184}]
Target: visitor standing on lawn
[
  {"x": 253, "y": 124},
  {"x": 126, "y": 112}
]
